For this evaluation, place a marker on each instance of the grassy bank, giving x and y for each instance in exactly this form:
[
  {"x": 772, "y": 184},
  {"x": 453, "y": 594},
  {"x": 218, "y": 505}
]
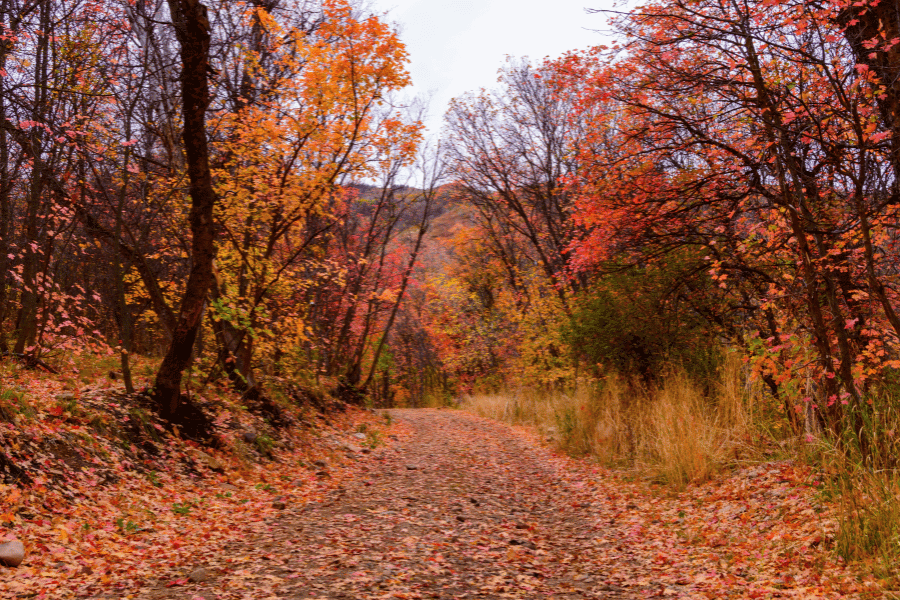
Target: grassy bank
[
  {"x": 678, "y": 434},
  {"x": 674, "y": 433}
]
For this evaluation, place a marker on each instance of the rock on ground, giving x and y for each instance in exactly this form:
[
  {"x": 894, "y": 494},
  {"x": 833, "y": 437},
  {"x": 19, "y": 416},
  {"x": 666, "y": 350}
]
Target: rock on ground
[
  {"x": 12, "y": 553},
  {"x": 199, "y": 575}
]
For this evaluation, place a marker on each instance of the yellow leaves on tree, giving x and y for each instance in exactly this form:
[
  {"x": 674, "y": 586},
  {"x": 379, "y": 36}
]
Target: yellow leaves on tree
[{"x": 318, "y": 113}]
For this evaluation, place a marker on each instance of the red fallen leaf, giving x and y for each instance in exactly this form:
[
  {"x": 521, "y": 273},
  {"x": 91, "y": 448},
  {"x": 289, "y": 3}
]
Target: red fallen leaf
[
  {"x": 56, "y": 411},
  {"x": 177, "y": 582}
]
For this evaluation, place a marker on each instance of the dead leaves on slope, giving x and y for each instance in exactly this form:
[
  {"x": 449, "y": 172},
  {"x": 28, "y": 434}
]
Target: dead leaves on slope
[{"x": 106, "y": 516}]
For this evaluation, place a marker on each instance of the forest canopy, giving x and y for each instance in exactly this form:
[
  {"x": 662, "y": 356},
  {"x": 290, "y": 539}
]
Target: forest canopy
[{"x": 228, "y": 185}]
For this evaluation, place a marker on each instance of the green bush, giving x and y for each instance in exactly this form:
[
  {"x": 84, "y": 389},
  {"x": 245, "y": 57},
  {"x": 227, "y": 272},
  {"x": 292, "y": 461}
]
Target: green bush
[{"x": 639, "y": 321}]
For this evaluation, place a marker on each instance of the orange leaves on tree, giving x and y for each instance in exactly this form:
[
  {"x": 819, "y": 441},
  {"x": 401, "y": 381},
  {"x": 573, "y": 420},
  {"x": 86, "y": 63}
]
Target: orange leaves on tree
[{"x": 320, "y": 116}]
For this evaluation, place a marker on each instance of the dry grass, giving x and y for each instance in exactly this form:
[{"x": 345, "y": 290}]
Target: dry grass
[
  {"x": 869, "y": 520},
  {"x": 685, "y": 437},
  {"x": 676, "y": 433},
  {"x": 862, "y": 476}
]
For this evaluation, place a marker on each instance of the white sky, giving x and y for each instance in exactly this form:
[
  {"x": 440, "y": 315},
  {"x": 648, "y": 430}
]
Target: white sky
[{"x": 456, "y": 46}]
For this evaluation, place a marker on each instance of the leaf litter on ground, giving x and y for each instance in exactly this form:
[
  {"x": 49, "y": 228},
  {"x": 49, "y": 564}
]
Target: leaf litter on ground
[
  {"x": 460, "y": 507},
  {"x": 105, "y": 515},
  {"x": 487, "y": 512}
]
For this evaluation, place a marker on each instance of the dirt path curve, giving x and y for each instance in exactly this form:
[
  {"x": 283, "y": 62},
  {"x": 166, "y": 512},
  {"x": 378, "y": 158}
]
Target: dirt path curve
[
  {"x": 464, "y": 507},
  {"x": 458, "y": 507}
]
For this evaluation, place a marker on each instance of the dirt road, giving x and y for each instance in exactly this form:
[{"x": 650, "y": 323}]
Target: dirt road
[{"x": 462, "y": 507}]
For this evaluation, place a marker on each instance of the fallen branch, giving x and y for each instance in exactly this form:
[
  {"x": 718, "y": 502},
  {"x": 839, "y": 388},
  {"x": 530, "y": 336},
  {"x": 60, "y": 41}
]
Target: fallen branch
[{"x": 31, "y": 362}]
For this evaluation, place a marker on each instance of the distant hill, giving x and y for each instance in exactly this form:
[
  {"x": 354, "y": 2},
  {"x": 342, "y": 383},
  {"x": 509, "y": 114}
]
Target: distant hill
[{"x": 445, "y": 210}]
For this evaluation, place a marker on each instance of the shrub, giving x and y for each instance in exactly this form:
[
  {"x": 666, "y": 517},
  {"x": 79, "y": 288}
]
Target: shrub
[{"x": 637, "y": 321}]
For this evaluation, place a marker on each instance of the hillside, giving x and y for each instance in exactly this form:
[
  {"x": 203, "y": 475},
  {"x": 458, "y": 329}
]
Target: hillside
[{"x": 106, "y": 498}]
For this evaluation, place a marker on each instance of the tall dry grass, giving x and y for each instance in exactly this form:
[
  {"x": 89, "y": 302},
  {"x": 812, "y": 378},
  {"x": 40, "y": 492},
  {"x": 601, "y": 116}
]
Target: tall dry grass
[
  {"x": 678, "y": 435},
  {"x": 674, "y": 433},
  {"x": 860, "y": 472}
]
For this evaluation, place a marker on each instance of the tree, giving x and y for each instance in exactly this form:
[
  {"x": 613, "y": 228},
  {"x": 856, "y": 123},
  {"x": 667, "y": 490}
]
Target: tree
[
  {"x": 284, "y": 102},
  {"x": 509, "y": 152},
  {"x": 324, "y": 117},
  {"x": 193, "y": 31},
  {"x": 743, "y": 132},
  {"x": 872, "y": 30}
]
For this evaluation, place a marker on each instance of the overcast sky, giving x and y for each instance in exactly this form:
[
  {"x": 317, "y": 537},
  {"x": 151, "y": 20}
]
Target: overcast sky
[{"x": 456, "y": 46}]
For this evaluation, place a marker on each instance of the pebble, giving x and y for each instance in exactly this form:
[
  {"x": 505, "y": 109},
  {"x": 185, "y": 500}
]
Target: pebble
[{"x": 199, "y": 575}]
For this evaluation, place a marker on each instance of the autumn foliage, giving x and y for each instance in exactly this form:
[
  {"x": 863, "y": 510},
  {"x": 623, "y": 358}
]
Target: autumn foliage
[
  {"x": 722, "y": 179},
  {"x": 233, "y": 191},
  {"x": 291, "y": 104},
  {"x": 737, "y": 162}
]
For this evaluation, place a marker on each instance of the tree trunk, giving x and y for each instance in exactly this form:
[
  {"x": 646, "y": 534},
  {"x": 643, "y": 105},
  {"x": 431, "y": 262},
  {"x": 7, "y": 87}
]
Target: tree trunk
[
  {"x": 26, "y": 323},
  {"x": 879, "y": 21},
  {"x": 230, "y": 340},
  {"x": 5, "y": 182},
  {"x": 119, "y": 277},
  {"x": 192, "y": 29}
]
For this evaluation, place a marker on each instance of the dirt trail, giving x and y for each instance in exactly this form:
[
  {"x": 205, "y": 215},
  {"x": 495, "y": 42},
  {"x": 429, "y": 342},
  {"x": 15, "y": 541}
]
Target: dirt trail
[{"x": 462, "y": 507}]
